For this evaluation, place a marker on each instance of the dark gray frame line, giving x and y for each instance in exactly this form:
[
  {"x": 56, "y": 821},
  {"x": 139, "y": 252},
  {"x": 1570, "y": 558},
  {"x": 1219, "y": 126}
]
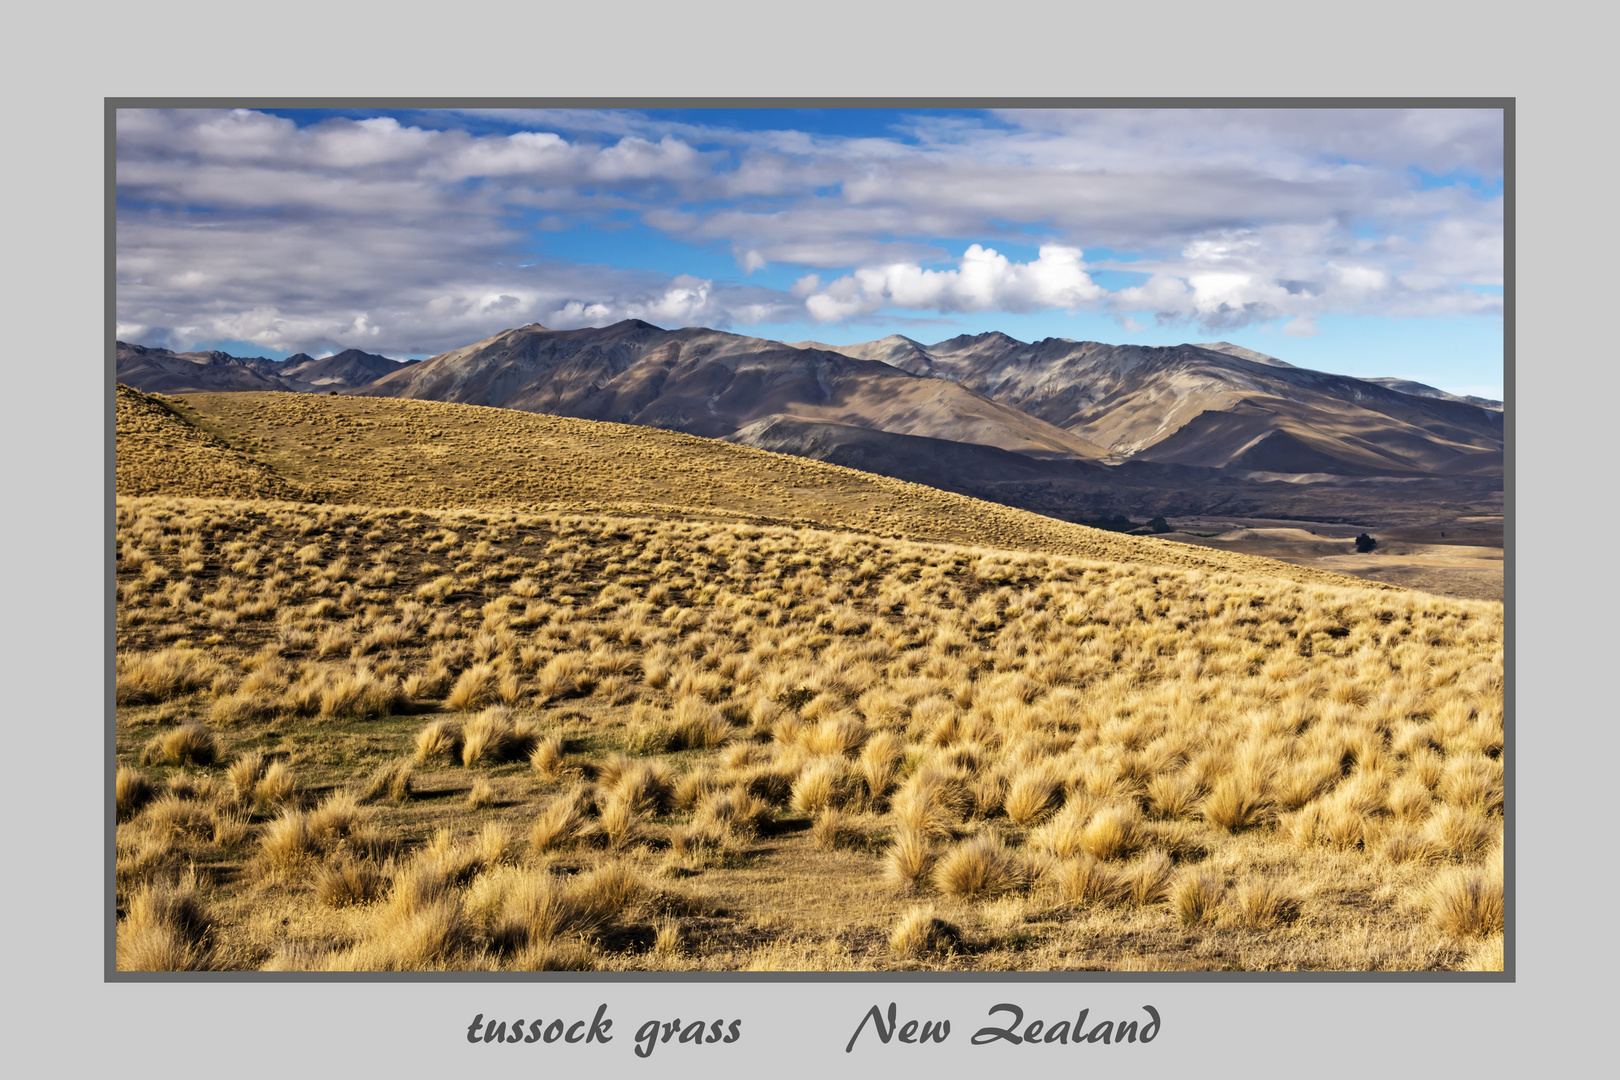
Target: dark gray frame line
[{"x": 1509, "y": 285}]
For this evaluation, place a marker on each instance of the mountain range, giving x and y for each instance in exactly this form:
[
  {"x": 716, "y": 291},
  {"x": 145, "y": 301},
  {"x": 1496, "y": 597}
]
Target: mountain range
[
  {"x": 1068, "y": 428},
  {"x": 159, "y": 371}
]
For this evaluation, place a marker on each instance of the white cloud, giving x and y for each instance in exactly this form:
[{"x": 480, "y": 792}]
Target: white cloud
[{"x": 984, "y": 280}]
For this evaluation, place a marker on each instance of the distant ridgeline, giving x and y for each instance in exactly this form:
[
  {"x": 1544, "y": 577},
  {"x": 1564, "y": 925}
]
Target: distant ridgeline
[{"x": 1079, "y": 430}]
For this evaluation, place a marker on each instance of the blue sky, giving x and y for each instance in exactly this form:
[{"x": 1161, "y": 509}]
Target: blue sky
[{"x": 1361, "y": 242}]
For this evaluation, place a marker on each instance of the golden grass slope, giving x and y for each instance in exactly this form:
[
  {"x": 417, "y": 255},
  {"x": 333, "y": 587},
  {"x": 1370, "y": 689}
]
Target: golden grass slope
[
  {"x": 433, "y": 455},
  {"x": 159, "y": 453},
  {"x": 384, "y": 738}
]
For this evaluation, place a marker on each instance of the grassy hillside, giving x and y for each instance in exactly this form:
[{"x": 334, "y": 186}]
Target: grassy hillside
[
  {"x": 409, "y": 732},
  {"x": 158, "y": 451},
  {"x": 382, "y": 452}
]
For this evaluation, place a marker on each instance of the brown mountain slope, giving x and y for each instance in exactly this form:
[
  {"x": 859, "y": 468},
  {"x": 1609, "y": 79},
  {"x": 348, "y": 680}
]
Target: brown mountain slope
[
  {"x": 436, "y": 455},
  {"x": 710, "y": 383},
  {"x": 1138, "y": 400}
]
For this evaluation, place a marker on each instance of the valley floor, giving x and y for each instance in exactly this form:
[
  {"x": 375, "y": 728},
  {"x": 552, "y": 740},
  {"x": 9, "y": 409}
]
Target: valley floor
[{"x": 1460, "y": 557}]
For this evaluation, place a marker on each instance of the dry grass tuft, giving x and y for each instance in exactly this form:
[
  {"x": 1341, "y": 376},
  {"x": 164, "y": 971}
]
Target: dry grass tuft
[
  {"x": 1112, "y": 832},
  {"x": 439, "y": 741},
  {"x": 1147, "y": 881},
  {"x": 276, "y": 787},
  {"x": 921, "y": 932},
  {"x": 493, "y": 736},
  {"x": 286, "y": 842},
  {"x": 189, "y": 744},
  {"x": 833, "y": 829},
  {"x": 1463, "y": 834},
  {"x": 566, "y": 820},
  {"x": 347, "y": 882},
  {"x": 1196, "y": 896},
  {"x": 1264, "y": 903},
  {"x": 735, "y": 810},
  {"x": 474, "y": 688},
  {"x": 131, "y": 791},
  {"x": 1465, "y": 901},
  {"x": 1488, "y": 955},
  {"x": 1032, "y": 795},
  {"x": 909, "y": 860},
  {"x": 245, "y": 771},
  {"x": 1084, "y": 880},
  {"x": 164, "y": 929},
  {"x": 391, "y": 779},
  {"x": 979, "y": 866}
]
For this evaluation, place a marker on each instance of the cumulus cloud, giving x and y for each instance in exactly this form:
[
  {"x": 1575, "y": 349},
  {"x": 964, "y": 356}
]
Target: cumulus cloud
[{"x": 984, "y": 280}]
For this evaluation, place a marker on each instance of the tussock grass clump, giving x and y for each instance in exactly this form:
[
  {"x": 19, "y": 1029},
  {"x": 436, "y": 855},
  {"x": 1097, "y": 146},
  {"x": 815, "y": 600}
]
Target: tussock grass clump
[
  {"x": 131, "y": 791},
  {"x": 618, "y": 822},
  {"x": 348, "y": 882},
  {"x": 932, "y": 802},
  {"x": 245, "y": 772},
  {"x": 1465, "y": 901},
  {"x": 1147, "y": 881},
  {"x": 1238, "y": 800},
  {"x": 1488, "y": 955},
  {"x": 565, "y": 821},
  {"x": 276, "y": 786},
  {"x": 734, "y": 810},
  {"x": 440, "y": 740},
  {"x": 879, "y": 762},
  {"x": 979, "y": 866},
  {"x": 1196, "y": 896},
  {"x": 824, "y": 784},
  {"x": 1465, "y": 835},
  {"x": 547, "y": 756},
  {"x": 231, "y": 827},
  {"x": 243, "y": 708},
  {"x": 493, "y": 736},
  {"x": 286, "y": 842},
  {"x": 698, "y": 725},
  {"x": 1112, "y": 833},
  {"x": 840, "y": 735},
  {"x": 360, "y": 694},
  {"x": 164, "y": 929},
  {"x": 649, "y": 734},
  {"x": 391, "y": 780},
  {"x": 189, "y": 744},
  {"x": 475, "y": 688},
  {"x": 1263, "y": 903},
  {"x": 920, "y": 932},
  {"x": 172, "y": 815},
  {"x": 669, "y": 941},
  {"x": 143, "y": 678},
  {"x": 909, "y": 860},
  {"x": 1084, "y": 880},
  {"x": 646, "y": 787},
  {"x": 833, "y": 829},
  {"x": 1031, "y": 795},
  {"x": 1063, "y": 835}
]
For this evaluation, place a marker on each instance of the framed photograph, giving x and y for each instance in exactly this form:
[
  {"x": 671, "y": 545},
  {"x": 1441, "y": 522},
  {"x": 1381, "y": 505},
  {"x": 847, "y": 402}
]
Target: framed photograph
[{"x": 910, "y": 539}]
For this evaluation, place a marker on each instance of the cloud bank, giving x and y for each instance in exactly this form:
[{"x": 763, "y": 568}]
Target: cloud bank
[{"x": 409, "y": 233}]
